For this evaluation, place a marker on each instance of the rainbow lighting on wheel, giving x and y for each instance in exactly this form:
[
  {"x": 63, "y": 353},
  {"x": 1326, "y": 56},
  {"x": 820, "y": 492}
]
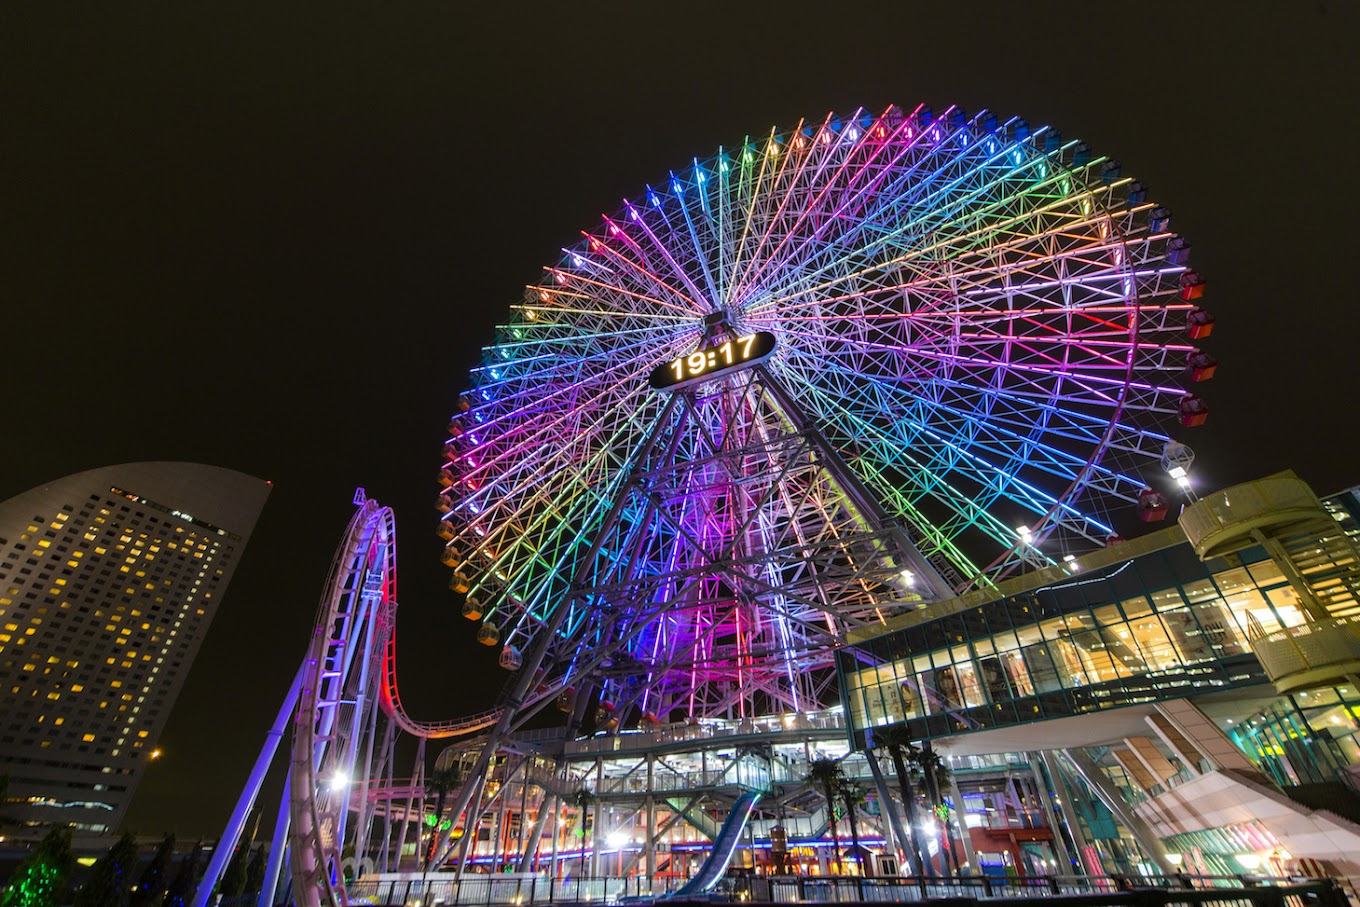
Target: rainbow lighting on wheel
[{"x": 985, "y": 325}]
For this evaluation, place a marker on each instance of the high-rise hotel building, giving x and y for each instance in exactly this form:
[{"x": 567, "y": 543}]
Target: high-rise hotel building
[{"x": 108, "y": 582}]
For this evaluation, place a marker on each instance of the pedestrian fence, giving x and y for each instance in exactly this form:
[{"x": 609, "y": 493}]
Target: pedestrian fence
[{"x": 527, "y": 889}]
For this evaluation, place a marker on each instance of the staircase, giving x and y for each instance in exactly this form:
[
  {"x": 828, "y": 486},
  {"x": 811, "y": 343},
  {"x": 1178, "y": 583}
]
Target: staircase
[
  {"x": 1332, "y": 796},
  {"x": 1281, "y": 514}
]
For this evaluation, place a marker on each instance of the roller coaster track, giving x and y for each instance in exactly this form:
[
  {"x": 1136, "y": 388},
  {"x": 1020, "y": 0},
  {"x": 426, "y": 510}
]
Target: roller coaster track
[
  {"x": 337, "y": 734},
  {"x": 391, "y": 698}
]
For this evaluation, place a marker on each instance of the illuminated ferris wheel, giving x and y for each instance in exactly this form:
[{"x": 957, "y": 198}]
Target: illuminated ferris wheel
[{"x": 827, "y": 373}]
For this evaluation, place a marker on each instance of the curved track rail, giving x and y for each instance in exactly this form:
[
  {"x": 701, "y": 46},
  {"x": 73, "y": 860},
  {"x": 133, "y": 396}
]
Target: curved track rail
[{"x": 342, "y": 746}]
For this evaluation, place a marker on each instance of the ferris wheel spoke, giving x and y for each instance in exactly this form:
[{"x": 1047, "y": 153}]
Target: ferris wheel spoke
[
  {"x": 920, "y": 476},
  {"x": 757, "y": 205},
  {"x": 640, "y": 220},
  {"x": 523, "y": 403},
  {"x": 865, "y": 248},
  {"x": 867, "y": 232},
  {"x": 599, "y": 288},
  {"x": 804, "y": 150},
  {"x": 986, "y": 237},
  {"x": 970, "y": 460},
  {"x": 603, "y": 246},
  {"x": 1033, "y": 386},
  {"x": 1043, "y": 377},
  {"x": 1010, "y": 443},
  {"x": 569, "y": 531}
]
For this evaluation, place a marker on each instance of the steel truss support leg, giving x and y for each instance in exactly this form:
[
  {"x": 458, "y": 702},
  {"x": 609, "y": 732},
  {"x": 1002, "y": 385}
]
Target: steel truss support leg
[
  {"x": 232, "y": 833},
  {"x": 526, "y": 860},
  {"x": 471, "y": 824},
  {"x": 960, "y": 811},
  {"x": 902, "y": 841},
  {"x": 544, "y": 639}
]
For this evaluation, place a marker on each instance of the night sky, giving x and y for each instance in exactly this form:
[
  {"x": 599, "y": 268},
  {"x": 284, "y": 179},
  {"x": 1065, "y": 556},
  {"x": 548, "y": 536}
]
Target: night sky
[{"x": 273, "y": 237}]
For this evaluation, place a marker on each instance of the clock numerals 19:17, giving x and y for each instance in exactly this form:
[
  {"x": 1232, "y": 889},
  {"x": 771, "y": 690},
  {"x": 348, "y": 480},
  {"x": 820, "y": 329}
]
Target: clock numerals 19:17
[
  {"x": 712, "y": 361},
  {"x": 699, "y": 362}
]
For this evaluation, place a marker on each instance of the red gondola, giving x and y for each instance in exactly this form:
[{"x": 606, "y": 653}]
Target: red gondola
[
  {"x": 1152, "y": 507},
  {"x": 1192, "y": 286},
  {"x": 1199, "y": 323},
  {"x": 1194, "y": 411},
  {"x": 1202, "y": 366}
]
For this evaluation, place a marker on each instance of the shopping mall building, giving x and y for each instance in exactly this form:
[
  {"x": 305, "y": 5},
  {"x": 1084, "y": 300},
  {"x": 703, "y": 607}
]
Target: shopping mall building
[
  {"x": 1184, "y": 701},
  {"x": 1197, "y": 685}
]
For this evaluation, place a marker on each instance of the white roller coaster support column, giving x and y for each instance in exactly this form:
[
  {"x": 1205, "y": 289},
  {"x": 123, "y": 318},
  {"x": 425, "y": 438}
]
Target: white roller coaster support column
[
  {"x": 232, "y": 833},
  {"x": 415, "y": 806},
  {"x": 469, "y": 836},
  {"x": 544, "y": 639},
  {"x": 369, "y": 608},
  {"x": 277, "y": 845},
  {"x": 311, "y": 852},
  {"x": 526, "y": 860}
]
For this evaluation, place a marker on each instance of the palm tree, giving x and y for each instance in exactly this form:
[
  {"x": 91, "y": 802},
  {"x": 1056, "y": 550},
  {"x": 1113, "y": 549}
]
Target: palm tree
[
  {"x": 255, "y": 870},
  {"x": 582, "y": 799},
  {"x": 155, "y": 878},
  {"x": 903, "y": 751},
  {"x": 186, "y": 879},
  {"x": 438, "y": 785},
  {"x": 827, "y": 773},
  {"x": 853, "y": 796},
  {"x": 40, "y": 880},
  {"x": 934, "y": 775}
]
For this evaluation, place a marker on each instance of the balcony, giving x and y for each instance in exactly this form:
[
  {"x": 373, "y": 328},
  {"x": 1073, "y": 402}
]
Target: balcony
[
  {"x": 1224, "y": 522},
  {"x": 1310, "y": 655}
]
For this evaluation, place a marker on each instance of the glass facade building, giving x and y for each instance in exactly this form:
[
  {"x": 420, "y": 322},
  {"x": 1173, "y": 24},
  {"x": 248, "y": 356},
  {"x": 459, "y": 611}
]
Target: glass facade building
[
  {"x": 1235, "y": 634},
  {"x": 1139, "y": 622}
]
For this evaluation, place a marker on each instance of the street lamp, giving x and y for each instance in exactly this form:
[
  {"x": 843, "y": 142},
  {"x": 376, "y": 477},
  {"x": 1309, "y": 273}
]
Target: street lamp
[{"x": 1177, "y": 458}]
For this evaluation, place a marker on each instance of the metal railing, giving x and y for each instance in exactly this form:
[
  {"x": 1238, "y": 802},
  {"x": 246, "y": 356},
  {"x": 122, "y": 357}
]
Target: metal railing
[
  {"x": 1098, "y": 891},
  {"x": 1305, "y": 655},
  {"x": 830, "y": 720},
  {"x": 522, "y": 890}
]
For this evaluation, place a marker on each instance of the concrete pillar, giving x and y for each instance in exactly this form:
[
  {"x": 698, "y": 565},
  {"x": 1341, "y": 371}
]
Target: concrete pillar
[
  {"x": 651, "y": 818},
  {"x": 896, "y": 839},
  {"x": 1157, "y": 765},
  {"x": 597, "y": 827},
  {"x": 1175, "y": 741},
  {"x": 966, "y": 836},
  {"x": 1134, "y": 769},
  {"x": 1114, "y": 801},
  {"x": 499, "y": 845},
  {"x": 546, "y": 805}
]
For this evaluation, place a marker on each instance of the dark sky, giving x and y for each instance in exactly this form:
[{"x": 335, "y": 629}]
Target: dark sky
[{"x": 272, "y": 237}]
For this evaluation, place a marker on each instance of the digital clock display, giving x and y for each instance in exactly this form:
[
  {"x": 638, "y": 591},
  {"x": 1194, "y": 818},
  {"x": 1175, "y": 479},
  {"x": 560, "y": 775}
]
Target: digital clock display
[{"x": 709, "y": 362}]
